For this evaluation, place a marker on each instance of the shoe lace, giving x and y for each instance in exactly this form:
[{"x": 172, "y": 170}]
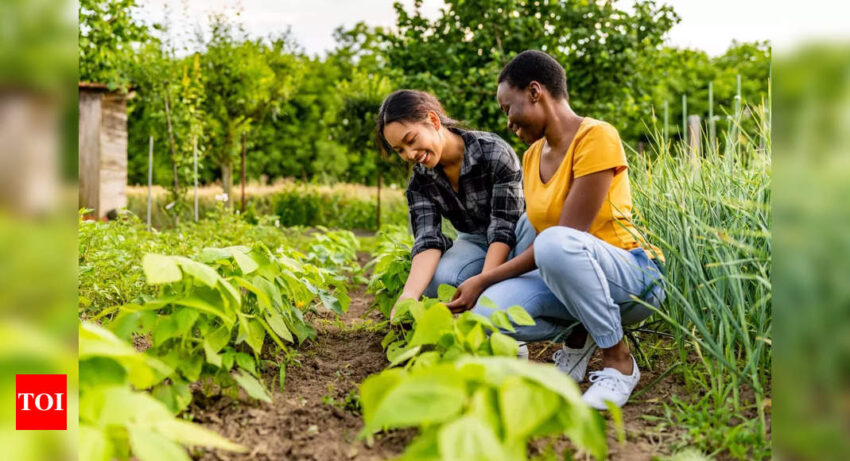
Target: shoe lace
[{"x": 608, "y": 378}]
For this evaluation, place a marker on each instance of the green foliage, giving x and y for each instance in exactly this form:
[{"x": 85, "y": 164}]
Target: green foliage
[
  {"x": 436, "y": 335},
  {"x": 390, "y": 266},
  {"x": 107, "y": 35},
  {"x": 485, "y": 408},
  {"x": 305, "y": 207},
  {"x": 608, "y": 53},
  {"x": 117, "y": 421}
]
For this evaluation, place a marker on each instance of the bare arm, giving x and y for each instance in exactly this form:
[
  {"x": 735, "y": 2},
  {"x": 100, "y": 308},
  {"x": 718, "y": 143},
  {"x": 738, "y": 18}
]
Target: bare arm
[
  {"x": 581, "y": 206},
  {"x": 497, "y": 254},
  {"x": 422, "y": 270}
]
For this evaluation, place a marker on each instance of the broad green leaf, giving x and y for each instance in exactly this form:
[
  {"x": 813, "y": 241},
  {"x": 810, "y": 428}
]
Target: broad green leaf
[
  {"x": 375, "y": 387},
  {"x": 166, "y": 328},
  {"x": 516, "y": 397},
  {"x": 185, "y": 318},
  {"x": 204, "y": 300},
  {"x": 247, "y": 362},
  {"x": 520, "y": 316},
  {"x": 199, "y": 271},
  {"x": 255, "y": 334},
  {"x": 500, "y": 319},
  {"x": 487, "y": 302},
  {"x": 252, "y": 386},
  {"x": 160, "y": 269},
  {"x": 218, "y": 338},
  {"x": 431, "y": 325},
  {"x": 94, "y": 444},
  {"x": 211, "y": 255},
  {"x": 277, "y": 324},
  {"x": 445, "y": 292},
  {"x": 475, "y": 338},
  {"x": 271, "y": 290},
  {"x": 245, "y": 262},
  {"x": 191, "y": 366},
  {"x": 403, "y": 355},
  {"x": 469, "y": 439},
  {"x": 418, "y": 400},
  {"x": 262, "y": 299},
  {"x": 144, "y": 371},
  {"x": 331, "y": 302},
  {"x": 503, "y": 344},
  {"x": 195, "y": 435},
  {"x": 149, "y": 445}
]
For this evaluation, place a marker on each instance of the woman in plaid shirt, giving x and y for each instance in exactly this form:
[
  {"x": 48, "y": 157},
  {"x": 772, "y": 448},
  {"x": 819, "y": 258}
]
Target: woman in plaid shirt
[{"x": 471, "y": 178}]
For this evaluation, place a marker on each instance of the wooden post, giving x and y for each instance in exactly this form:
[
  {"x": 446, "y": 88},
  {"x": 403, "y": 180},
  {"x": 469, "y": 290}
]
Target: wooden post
[
  {"x": 694, "y": 136},
  {"x": 195, "y": 161},
  {"x": 379, "y": 197},
  {"x": 684, "y": 118},
  {"x": 243, "y": 173},
  {"x": 712, "y": 135},
  {"x": 150, "y": 179},
  {"x": 173, "y": 154}
]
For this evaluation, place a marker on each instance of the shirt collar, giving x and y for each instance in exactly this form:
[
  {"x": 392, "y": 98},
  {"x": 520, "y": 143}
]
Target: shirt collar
[{"x": 471, "y": 154}]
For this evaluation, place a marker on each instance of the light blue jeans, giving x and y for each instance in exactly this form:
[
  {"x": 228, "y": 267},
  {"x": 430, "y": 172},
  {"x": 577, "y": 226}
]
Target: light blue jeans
[
  {"x": 580, "y": 278},
  {"x": 466, "y": 256}
]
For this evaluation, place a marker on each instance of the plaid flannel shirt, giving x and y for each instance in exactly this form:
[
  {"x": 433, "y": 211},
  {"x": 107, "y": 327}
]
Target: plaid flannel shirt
[{"x": 489, "y": 200}]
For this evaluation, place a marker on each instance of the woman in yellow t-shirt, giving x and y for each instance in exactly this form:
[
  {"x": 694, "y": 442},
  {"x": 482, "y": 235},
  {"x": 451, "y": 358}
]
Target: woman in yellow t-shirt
[{"x": 579, "y": 278}]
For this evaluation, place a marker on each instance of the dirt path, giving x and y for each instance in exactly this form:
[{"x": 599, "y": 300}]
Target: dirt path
[{"x": 312, "y": 421}]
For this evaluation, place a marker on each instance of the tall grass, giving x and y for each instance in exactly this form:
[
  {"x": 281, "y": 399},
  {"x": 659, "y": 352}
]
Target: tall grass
[{"x": 710, "y": 215}]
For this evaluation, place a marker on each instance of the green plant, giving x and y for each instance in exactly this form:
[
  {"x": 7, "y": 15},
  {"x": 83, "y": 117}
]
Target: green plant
[
  {"x": 390, "y": 266},
  {"x": 437, "y": 335},
  {"x": 205, "y": 311},
  {"x": 479, "y": 408},
  {"x": 117, "y": 421}
]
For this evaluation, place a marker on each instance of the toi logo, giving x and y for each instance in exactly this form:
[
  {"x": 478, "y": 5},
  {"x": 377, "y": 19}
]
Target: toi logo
[{"x": 41, "y": 402}]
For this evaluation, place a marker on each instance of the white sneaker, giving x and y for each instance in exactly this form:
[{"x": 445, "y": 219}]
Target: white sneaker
[
  {"x": 522, "y": 352},
  {"x": 574, "y": 361},
  {"x": 611, "y": 385}
]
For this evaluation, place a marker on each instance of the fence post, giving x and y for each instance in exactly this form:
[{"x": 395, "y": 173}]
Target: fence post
[
  {"x": 685, "y": 118},
  {"x": 694, "y": 133},
  {"x": 243, "y": 173},
  {"x": 195, "y": 160},
  {"x": 150, "y": 178},
  {"x": 711, "y": 130}
]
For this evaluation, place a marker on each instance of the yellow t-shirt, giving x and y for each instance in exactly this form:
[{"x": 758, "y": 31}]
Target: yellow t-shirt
[{"x": 596, "y": 147}]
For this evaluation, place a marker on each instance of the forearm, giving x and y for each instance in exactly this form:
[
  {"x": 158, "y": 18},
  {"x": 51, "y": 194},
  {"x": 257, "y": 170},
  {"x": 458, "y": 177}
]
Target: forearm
[
  {"x": 422, "y": 270},
  {"x": 522, "y": 263},
  {"x": 497, "y": 254}
]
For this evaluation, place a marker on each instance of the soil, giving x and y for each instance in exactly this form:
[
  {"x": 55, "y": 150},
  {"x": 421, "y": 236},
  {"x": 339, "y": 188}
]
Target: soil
[{"x": 311, "y": 421}]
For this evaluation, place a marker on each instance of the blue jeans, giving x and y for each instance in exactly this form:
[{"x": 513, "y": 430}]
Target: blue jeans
[
  {"x": 466, "y": 256},
  {"x": 580, "y": 278}
]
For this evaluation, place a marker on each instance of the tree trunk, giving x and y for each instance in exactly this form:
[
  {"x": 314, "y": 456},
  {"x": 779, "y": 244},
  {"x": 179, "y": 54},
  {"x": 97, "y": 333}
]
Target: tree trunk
[{"x": 227, "y": 181}]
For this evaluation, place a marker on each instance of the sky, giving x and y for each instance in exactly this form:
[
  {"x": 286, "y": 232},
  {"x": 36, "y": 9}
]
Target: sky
[{"x": 707, "y": 25}]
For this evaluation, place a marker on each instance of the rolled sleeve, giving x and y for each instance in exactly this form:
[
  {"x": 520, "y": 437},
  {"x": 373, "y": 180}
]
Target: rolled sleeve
[
  {"x": 506, "y": 203},
  {"x": 426, "y": 222}
]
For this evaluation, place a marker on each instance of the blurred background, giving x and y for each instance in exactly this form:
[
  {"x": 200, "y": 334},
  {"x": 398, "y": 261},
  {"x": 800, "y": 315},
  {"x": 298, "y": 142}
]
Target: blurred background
[{"x": 227, "y": 86}]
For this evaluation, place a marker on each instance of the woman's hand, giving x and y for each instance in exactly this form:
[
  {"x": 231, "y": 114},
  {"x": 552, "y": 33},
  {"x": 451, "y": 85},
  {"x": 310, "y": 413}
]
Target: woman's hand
[
  {"x": 467, "y": 294},
  {"x": 404, "y": 295}
]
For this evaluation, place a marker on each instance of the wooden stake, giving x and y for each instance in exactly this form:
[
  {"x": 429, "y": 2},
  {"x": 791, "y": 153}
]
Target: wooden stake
[
  {"x": 150, "y": 179},
  {"x": 243, "y": 173},
  {"x": 195, "y": 160}
]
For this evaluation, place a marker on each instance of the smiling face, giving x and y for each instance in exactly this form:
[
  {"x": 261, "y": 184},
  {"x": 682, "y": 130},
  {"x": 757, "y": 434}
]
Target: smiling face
[
  {"x": 525, "y": 115},
  {"x": 416, "y": 142}
]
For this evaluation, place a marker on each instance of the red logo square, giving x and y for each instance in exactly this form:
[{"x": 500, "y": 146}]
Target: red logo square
[{"x": 41, "y": 402}]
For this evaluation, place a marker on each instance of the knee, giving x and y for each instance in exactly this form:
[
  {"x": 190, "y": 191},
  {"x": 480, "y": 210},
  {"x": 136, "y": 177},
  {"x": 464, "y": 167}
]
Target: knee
[{"x": 555, "y": 245}]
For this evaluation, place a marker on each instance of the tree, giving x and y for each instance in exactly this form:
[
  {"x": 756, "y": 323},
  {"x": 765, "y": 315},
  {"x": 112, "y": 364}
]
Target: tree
[
  {"x": 107, "y": 36},
  {"x": 608, "y": 54}
]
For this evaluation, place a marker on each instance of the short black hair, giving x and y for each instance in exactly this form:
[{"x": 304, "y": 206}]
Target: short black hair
[{"x": 533, "y": 65}]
